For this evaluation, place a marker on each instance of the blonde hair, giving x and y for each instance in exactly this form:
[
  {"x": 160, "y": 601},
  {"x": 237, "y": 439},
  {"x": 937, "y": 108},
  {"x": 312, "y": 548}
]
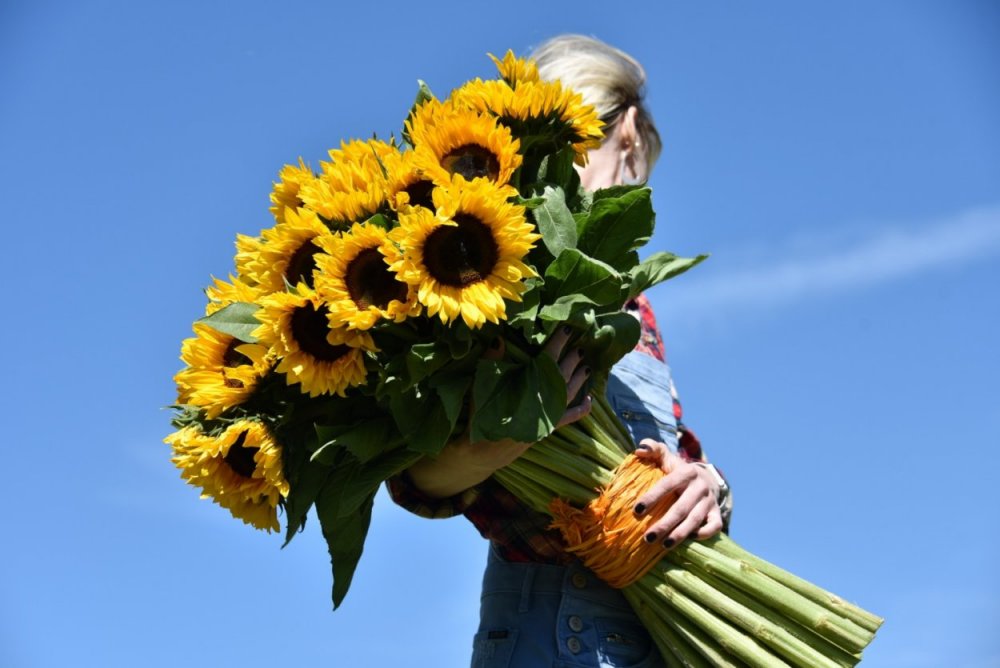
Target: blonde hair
[{"x": 608, "y": 78}]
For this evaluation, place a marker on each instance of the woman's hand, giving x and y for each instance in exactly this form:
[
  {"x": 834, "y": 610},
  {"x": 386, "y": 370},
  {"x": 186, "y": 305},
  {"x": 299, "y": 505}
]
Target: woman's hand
[
  {"x": 463, "y": 464},
  {"x": 695, "y": 511}
]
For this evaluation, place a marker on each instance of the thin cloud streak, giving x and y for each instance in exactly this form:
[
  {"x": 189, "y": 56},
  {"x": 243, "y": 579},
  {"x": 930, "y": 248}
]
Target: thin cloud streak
[{"x": 894, "y": 253}]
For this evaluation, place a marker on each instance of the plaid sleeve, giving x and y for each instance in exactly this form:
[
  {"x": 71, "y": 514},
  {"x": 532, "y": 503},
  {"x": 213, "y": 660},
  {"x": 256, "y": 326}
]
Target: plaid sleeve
[{"x": 405, "y": 494}]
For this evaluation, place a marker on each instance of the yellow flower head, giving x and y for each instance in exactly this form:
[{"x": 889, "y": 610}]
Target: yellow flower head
[
  {"x": 515, "y": 70},
  {"x": 351, "y": 187},
  {"x": 408, "y": 184},
  {"x": 286, "y": 254},
  {"x": 323, "y": 360},
  {"x": 354, "y": 280},
  {"x": 466, "y": 260},
  {"x": 222, "y": 293},
  {"x": 536, "y": 108},
  {"x": 239, "y": 469},
  {"x": 449, "y": 141},
  {"x": 286, "y": 191},
  {"x": 221, "y": 372}
]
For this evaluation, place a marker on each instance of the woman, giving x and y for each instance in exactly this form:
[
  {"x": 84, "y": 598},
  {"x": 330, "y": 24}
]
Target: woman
[{"x": 540, "y": 607}]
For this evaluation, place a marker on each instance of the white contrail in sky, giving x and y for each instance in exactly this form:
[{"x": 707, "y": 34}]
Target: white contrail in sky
[{"x": 894, "y": 252}]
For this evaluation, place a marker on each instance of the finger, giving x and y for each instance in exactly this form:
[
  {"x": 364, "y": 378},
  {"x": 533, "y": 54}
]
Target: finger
[
  {"x": 557, "y": 342},
  {"x": 574, "y": 413},
  {"x": 681, "y": 507},
  {"x": 712, "y": 524},
  {"x": 678, "y": 479},
  {"x": 569, "y": 364},
  {"x": 575, "y": 382},
  {"x": 651, "y": 450},
  {"x": 689, "y": 525}
]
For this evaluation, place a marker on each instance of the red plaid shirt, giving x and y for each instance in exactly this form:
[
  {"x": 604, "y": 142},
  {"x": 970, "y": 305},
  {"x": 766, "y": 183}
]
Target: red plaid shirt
[{"x": 519, "y": 533}]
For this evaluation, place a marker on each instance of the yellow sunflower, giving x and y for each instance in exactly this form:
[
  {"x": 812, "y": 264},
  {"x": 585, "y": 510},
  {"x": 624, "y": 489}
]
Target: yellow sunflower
[
  {"x": 286, "y": 191},
  {"x": 286, "y": 254},
  {"x": 449, "y": 140},
  {"x": 515, "y": 70},
  {"x": 536, "y": 108},
  {"x": 469, "y": 258},
  {"x": 222, "y": 293},
  {"x": 323, "y": 360},
  {"x": 221, "y": 371},
  {"x": 351, "y": 187},
  {"x": 408, "y": 184},
  {"x": 354, "y": 280},
  {"x": 239, "y": 469}
]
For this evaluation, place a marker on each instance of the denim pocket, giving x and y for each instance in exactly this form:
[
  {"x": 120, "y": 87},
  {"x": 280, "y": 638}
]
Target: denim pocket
[
  {"x": 642, "y": 422},
  {"x": 625, "y": 644},
  {"x": 493, "y": 648}
]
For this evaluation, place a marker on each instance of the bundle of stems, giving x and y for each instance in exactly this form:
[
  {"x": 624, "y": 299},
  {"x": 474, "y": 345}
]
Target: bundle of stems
[{"x": 707, "y": 603}]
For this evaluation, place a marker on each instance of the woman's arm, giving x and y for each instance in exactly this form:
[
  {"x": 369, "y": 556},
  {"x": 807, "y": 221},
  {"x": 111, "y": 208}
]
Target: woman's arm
[{"x": 463, "y": 464}]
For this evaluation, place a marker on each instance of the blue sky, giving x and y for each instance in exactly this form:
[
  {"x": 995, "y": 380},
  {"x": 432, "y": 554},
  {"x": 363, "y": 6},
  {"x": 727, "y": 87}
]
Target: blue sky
[{"x": 837, "y": 354}]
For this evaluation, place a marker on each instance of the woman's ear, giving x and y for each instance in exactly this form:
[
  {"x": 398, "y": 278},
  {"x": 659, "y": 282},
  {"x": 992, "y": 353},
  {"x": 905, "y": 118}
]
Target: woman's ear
[
  {"x": 633, "y": 168},
  {"x": 628, "y": 132}
]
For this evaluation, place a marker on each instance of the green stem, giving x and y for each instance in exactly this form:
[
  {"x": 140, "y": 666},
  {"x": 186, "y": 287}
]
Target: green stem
[
  {"x": 558, "y": 460},
  {"x": 836, "y": 629},
  {"x": 674, "y": 648},
  {"x": 729, "y": 640},
  {"x": 828, "y": 649},
  {"x": 594, "y": 448},
  {"x": 605, "y": 416},
  {"x": 556, "y": 484},
  {"x": 818, "y": 595},
  {"x": 756, "y": 625}
]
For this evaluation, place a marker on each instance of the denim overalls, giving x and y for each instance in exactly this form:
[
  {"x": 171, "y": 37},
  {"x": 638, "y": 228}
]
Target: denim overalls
[{"x": 541, "y": 615}]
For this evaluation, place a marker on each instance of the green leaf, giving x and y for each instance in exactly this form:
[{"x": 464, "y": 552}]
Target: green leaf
[
  {"x": 422, "y": 419},
  {"x": 305, "y": 479},
  {"x": 574, "y": 273},
  {"x": 365, "y": 440},
  {"x": 236, "y": 319},
  {"x": 557, "y": 168},
  {"x": 451, "y": 390},
  {"x": 345, "y": 536},
  {"x": 423, "y": 359},
  {"x": 423, "y": 95},
  {"x": 522, "y": 402},
  {"x": 555, "y": 222},
  {"x": 523, "y": 313},
  {"x": 368, "y": 478},
  {"x": 616, "y": 226},
  {"x": 565, "y": 308},
  {"x": 617, "y": 335},
  {"x": 657, "y": 268}
]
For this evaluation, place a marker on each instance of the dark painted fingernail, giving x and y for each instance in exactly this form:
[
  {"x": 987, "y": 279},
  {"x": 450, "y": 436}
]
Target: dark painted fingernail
[
  {"x": 642, "y": 446},
  {"x": 587, "y": 371},
  {"x": 668, "y": 543},
  {"x": 640, "y": 508},
  {"x": 567, "y": 329},
  {"x": 579, "y": 352},
  {"x": 650, "y": 537}
]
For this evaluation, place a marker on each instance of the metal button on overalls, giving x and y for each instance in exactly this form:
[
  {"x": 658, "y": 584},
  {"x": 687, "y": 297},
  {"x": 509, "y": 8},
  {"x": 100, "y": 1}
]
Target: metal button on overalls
[{"x": 575, "y": 623}]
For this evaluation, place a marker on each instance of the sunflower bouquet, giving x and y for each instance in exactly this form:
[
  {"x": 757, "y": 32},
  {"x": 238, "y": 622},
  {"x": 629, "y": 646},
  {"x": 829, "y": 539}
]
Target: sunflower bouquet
[{"x": 350, "y": 343}]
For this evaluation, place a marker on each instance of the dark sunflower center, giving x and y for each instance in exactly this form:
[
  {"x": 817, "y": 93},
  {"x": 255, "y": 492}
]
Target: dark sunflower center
[
  {"x": 240, "y": 459},
  {"x": 232, "y": 357},
  {"x": 470, "y": 161},
  {"x": 370, "y": 282},
  {"x": 309, "y": 328},
  {"x": 420, "y": 193},
  {"x": 459, "y": 256},
  {"x": 301, "y": 264}
]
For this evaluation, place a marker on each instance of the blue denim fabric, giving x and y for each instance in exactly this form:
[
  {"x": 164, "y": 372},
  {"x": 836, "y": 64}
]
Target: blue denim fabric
[{"x": 541, "y": 615}]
